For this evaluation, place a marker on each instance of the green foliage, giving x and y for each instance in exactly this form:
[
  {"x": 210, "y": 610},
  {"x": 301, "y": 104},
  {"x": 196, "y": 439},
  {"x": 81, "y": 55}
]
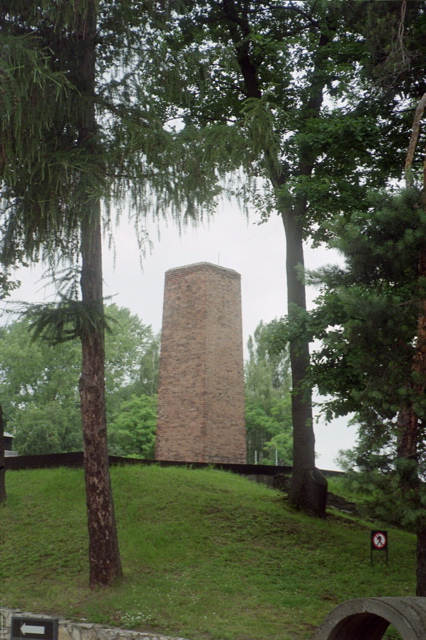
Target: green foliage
[
  {"x": 129, "y": 347},
  {"x": 288, "y": 79},
  {"x": 84, "y": 154},
  {"x": 132, "y": 431},
  {"x": 392, "y": 634},
  {"x": 39, "y": 381},
  {"x": 6, "y": 284},
  {"x": 63, "y": 321},
  {"x": 39, "y": 390},
  {"x": 268, "y": 402},
  {"x": 37, "y": 98},
  {"x": 393, "y": 34},
  {"x": 206, "y": 554},
  {"x": 388, "y": 490},
  {"x": 367, "y": 320},
  {"x": 147, "y": 382},
  {"x": 366, "y": 314},
  {"x": 49, "y": 176},
  {"x": 52, "y": 427},
  {"x": 27, "y": 76},
  {"x": 287, "y": 83}
]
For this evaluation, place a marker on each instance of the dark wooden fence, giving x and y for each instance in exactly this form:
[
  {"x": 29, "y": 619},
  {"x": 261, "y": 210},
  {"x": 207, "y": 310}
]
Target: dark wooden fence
[{"x": 75, "y": 459}]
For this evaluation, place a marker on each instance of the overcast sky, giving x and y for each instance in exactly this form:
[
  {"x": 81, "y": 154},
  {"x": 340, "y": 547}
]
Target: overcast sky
[{"x": 257, "y": 252}]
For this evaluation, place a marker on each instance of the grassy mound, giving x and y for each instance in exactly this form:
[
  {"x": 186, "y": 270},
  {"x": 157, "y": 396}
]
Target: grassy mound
[{"x": 206, "y": 554}]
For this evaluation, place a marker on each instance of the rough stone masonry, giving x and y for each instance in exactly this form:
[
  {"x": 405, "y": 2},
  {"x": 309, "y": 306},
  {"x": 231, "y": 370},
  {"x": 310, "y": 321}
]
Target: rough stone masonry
[
  {"x": 71, "y": 630},
  {"x": 201, "y": 379}
]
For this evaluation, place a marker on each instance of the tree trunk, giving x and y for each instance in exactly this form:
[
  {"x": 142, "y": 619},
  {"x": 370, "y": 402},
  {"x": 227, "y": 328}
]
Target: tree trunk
[
  {"x": 105, "y": 565},
  {"x": 2, "y": 460},
  {"x": 408, "y": 434},
  {"x": 104, "y": 556},
  {"x": 419, "y": 368},
  {"x": 407, "y": 425},
  {"x": 308, "y": 488},
  {"x": 408, "y": 419}
]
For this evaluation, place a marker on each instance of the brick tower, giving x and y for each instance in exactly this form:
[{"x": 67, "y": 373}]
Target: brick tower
[{"x": 201, "y": 381}]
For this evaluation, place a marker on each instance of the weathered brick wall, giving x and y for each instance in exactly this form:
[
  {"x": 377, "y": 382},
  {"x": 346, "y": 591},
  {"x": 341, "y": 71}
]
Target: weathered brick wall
[{"x": 201, "y": 381}]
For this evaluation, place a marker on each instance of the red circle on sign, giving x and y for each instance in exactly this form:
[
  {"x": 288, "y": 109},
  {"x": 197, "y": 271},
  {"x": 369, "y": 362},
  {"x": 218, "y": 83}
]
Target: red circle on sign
[{"x": 379, "y": 540}]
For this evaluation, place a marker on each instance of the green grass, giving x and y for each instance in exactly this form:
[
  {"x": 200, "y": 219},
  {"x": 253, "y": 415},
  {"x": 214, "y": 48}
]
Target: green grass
[{"x": 206, "y": 555}]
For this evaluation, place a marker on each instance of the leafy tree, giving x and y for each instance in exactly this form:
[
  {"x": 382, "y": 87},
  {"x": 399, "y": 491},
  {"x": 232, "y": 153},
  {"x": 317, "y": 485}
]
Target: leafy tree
[
  {"x": 148, "y": 373},
  {"x": 50, "y": 428},
  {"x": 131, "y": 352},
  {"x": 132, "y": 431},
  {"x": 268, "y": 402},
  {"x": 275, "y": 89},
  {"x": 39, "y": 382},
  {"x": 39, "y": 390},
  {"x": 144, "y": 379}
]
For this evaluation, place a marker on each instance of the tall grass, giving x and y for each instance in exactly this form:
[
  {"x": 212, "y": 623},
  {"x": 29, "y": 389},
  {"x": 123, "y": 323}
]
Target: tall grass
[{"x": 206, "y": 554}]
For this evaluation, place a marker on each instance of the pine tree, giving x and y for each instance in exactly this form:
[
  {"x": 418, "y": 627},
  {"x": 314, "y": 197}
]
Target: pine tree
[
  {"x": 79, "y": 130},
  {"x": 371, "y": 318}
]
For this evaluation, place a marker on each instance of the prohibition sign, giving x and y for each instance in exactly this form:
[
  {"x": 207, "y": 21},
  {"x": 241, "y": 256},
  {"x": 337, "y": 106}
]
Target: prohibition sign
[{"x": 379, "y": 539}]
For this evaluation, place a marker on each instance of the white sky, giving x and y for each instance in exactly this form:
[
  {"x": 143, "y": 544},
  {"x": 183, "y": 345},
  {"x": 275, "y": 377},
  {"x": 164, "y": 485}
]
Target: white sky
[{"x": 257, "y": 252}]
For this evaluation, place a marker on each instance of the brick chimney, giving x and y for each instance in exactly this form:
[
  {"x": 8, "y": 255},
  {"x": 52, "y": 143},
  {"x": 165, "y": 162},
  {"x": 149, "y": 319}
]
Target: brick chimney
[{"x": 201, "y": 380}]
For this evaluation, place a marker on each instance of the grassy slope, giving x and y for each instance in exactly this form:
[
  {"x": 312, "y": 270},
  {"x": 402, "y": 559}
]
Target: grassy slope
[{"x": 206, "y": 554}]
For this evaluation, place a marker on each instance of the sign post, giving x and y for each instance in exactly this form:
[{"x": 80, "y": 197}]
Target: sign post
[
  {"x": 34, "y": 629},
  {"x": 379, "y": 542}
]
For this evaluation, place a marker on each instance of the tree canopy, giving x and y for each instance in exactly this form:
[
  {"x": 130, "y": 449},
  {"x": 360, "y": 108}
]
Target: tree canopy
[
  {"x": 275, "y": 90},
  {"x": 39, "y": 381}
]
